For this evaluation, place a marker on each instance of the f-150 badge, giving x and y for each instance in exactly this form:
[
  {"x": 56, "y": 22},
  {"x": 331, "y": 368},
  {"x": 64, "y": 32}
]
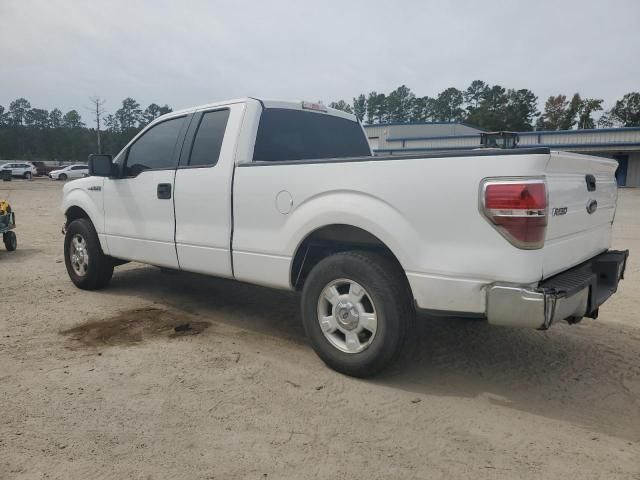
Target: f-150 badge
[{"x": 559, "y": 211}]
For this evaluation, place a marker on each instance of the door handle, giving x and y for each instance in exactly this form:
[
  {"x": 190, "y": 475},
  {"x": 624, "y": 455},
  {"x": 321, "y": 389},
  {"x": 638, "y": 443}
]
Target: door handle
[{"x": 164, "y": 191}]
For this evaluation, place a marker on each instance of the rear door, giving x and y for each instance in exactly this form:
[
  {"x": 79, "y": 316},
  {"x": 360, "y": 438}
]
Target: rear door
[
  {"x": 582, "y": 201},
  {"x": 138, "y": 207},
  {"x": 203, "y": 191}
]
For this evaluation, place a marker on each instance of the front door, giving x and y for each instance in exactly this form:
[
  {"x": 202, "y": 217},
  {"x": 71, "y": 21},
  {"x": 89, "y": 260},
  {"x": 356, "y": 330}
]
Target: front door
[
  {"x": 621, "y": 172},
  {"x": 138, "y": 207}
]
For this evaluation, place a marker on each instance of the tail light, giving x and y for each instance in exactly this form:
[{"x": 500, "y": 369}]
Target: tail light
[{"x": 517, "y": 208}]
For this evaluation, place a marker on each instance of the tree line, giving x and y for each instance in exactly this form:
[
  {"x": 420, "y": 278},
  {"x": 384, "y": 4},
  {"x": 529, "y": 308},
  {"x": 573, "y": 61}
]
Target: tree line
[
  {"x": 31, "y": 133},
  {"x": 37, "y": 134},
  {"x": 493, "y": 107}
]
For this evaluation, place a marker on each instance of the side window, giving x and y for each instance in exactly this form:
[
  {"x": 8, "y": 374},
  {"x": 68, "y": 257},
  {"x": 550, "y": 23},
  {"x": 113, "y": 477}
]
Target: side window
[
  {"x": 208, "y": 139},
  {"x": 79, "y": 167},
  {"x": 288, "y": 134},
  {"x": 154, "y": 149}
]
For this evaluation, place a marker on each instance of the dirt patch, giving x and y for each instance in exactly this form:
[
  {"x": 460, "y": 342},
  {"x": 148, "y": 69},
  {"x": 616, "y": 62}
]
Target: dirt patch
[{"x": 134, "y": 326}]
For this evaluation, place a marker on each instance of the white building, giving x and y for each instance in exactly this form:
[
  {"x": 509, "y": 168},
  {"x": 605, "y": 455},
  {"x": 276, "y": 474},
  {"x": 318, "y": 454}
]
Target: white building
[{"x": 622, "y": 144}]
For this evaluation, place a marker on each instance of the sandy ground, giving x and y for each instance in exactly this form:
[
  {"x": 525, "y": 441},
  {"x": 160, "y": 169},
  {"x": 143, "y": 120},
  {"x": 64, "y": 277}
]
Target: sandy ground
[{"x": 98, "y": 385}]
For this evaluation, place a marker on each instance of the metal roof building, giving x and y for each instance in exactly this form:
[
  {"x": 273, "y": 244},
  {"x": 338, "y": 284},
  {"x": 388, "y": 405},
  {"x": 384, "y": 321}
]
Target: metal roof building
[{"x": 622, "y": 144}]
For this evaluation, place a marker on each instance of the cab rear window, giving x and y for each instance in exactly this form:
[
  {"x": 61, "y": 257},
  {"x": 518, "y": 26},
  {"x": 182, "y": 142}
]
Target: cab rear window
[{"x": 286, "y": 135}]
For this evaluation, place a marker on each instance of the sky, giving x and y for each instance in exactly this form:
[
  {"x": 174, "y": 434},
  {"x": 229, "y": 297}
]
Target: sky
[{"x": 184, "y": 53}]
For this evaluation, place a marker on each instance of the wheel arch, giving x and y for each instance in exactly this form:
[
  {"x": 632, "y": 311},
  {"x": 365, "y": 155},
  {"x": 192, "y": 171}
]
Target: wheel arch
[
  {"x": 78, "y": 204},
  {"x": 75, "y": 212},
  {"x": 333, "y": 238}
]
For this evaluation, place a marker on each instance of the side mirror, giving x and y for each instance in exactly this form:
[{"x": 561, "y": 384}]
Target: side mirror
[{"x": 101, "y": 165}]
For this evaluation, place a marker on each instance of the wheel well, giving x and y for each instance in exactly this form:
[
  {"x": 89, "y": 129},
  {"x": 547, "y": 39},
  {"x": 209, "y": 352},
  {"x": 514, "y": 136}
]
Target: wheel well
[
  {"x": 74, "y": 213},
  {"x": 331, "y": 239}
]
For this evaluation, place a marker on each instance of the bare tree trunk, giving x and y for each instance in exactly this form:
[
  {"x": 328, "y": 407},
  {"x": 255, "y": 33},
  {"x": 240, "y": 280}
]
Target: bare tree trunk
[{"x": 97, "y": 109}]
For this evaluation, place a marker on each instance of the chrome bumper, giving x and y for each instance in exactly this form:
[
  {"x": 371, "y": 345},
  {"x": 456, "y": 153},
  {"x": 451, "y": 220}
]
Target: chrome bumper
[{"x": 570, "y": 295}]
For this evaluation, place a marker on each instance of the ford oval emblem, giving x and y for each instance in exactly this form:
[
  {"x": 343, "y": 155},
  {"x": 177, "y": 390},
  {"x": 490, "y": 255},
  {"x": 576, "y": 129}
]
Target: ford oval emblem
[{"x": 592, "y": 206}]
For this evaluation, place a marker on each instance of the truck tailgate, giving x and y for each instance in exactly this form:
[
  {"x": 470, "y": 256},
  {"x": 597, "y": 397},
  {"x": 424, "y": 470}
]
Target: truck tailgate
[{"x": 582, "y": 201}]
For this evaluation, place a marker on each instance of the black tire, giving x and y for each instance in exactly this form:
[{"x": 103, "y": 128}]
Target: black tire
[
  {"x": 62, "y": 176},
  {"x": 99, "y": 266},
  {"x": 27, "y": 175},
  {"x": 387, "y": 287},
  {"x": 10, "y": 240}
]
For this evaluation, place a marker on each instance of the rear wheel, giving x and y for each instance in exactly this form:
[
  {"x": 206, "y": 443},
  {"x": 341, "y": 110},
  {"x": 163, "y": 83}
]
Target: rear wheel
[
  {"x": 10, "y": 240},
  {"x": 88, "y": 267},
  {"x": 356, "y": 308}
]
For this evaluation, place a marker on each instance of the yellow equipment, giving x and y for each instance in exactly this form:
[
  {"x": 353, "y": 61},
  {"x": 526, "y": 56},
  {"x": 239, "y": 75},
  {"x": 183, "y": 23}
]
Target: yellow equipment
[
  {"x": 7, "y": 224},
  {"x": 5, "y": 208}
]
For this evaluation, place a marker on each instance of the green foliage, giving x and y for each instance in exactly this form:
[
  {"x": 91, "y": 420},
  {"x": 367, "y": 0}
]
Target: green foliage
[
  {"x": 341, "y": 105},
  {"x": 569, "y": 118},
  {"x": 17, "y": 111},
  {"x": 399, "y": 104},
  {"x": 152, "y": 112},
  {"x": 587, "y": 107},
  {"x": 483, "y": 105},
  {"x": 494, "y": 108},
  {"x": 37, "y": 118},
  {"x": 626, "y": 112},
  {"x": 129, "y": 116},
  {"x": 36, "y": 134},
  {"x": 360, "y": 106},
  {"x": 448, "y": 106},
  {"x": 554, "y": 113},
  {"x": 560, "y": 114},
  {"x": 55, "y": 118},
  {"x": 423, "y": 109},
  {"x": 475, "y": 93},
  {"x": 376, "y": 107},
  {"x": 72, "y": 119},
  {"x": 520, "y": 110}
]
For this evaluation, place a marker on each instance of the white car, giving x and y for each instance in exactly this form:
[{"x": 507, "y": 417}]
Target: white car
[
  {"x": 70, "y": 172},
  {"x": 288, "y": 195},
  {"x": 20, "y": 169}
]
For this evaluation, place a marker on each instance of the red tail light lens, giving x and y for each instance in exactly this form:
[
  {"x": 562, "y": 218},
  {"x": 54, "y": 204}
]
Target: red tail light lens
[{"x": 517, "y": 209}]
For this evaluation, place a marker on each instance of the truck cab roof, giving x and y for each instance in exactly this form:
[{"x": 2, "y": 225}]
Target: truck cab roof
[{"x": 269, "y": 103}]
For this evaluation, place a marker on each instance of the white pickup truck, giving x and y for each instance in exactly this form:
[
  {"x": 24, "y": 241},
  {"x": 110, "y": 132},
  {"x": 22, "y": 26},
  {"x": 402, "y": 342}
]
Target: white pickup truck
[{"x": 288, "y": 195}]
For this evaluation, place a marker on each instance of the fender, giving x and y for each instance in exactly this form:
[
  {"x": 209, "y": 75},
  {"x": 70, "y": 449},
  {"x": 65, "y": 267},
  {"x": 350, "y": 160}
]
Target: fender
[
  {"x": 86, "y": 193},
  {"x": 357, "y": 209}
]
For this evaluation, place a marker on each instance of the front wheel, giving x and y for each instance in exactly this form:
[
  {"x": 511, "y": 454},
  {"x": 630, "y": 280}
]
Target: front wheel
[
  {"x": 62, "y": 176},
  {"x": 27, "y": 175},
  {"x": 10, "y": 240},
  {"x": 356, "y": 309},
  {"x": 88, "y": 267}
]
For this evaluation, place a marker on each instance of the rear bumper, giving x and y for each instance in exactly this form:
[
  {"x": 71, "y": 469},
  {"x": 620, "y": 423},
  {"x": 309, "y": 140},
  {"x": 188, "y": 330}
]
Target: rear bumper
[{"x": 570, "y": 295}]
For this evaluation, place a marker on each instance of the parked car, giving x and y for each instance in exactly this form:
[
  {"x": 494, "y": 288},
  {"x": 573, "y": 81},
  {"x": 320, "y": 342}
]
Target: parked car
[
  {"x": 288, "y": 195},
  {"x": 71, "y": 171},
  {"x": 43, "y": 169},
  {"x": 20, "y": 169}
]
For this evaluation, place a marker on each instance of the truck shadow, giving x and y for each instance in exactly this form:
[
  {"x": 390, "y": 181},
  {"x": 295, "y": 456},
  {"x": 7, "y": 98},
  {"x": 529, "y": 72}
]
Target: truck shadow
[{"x": 587, "y": 374}]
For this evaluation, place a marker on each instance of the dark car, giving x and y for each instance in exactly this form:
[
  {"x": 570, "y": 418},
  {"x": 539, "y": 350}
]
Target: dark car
[{"x": 44, "y": 170}]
